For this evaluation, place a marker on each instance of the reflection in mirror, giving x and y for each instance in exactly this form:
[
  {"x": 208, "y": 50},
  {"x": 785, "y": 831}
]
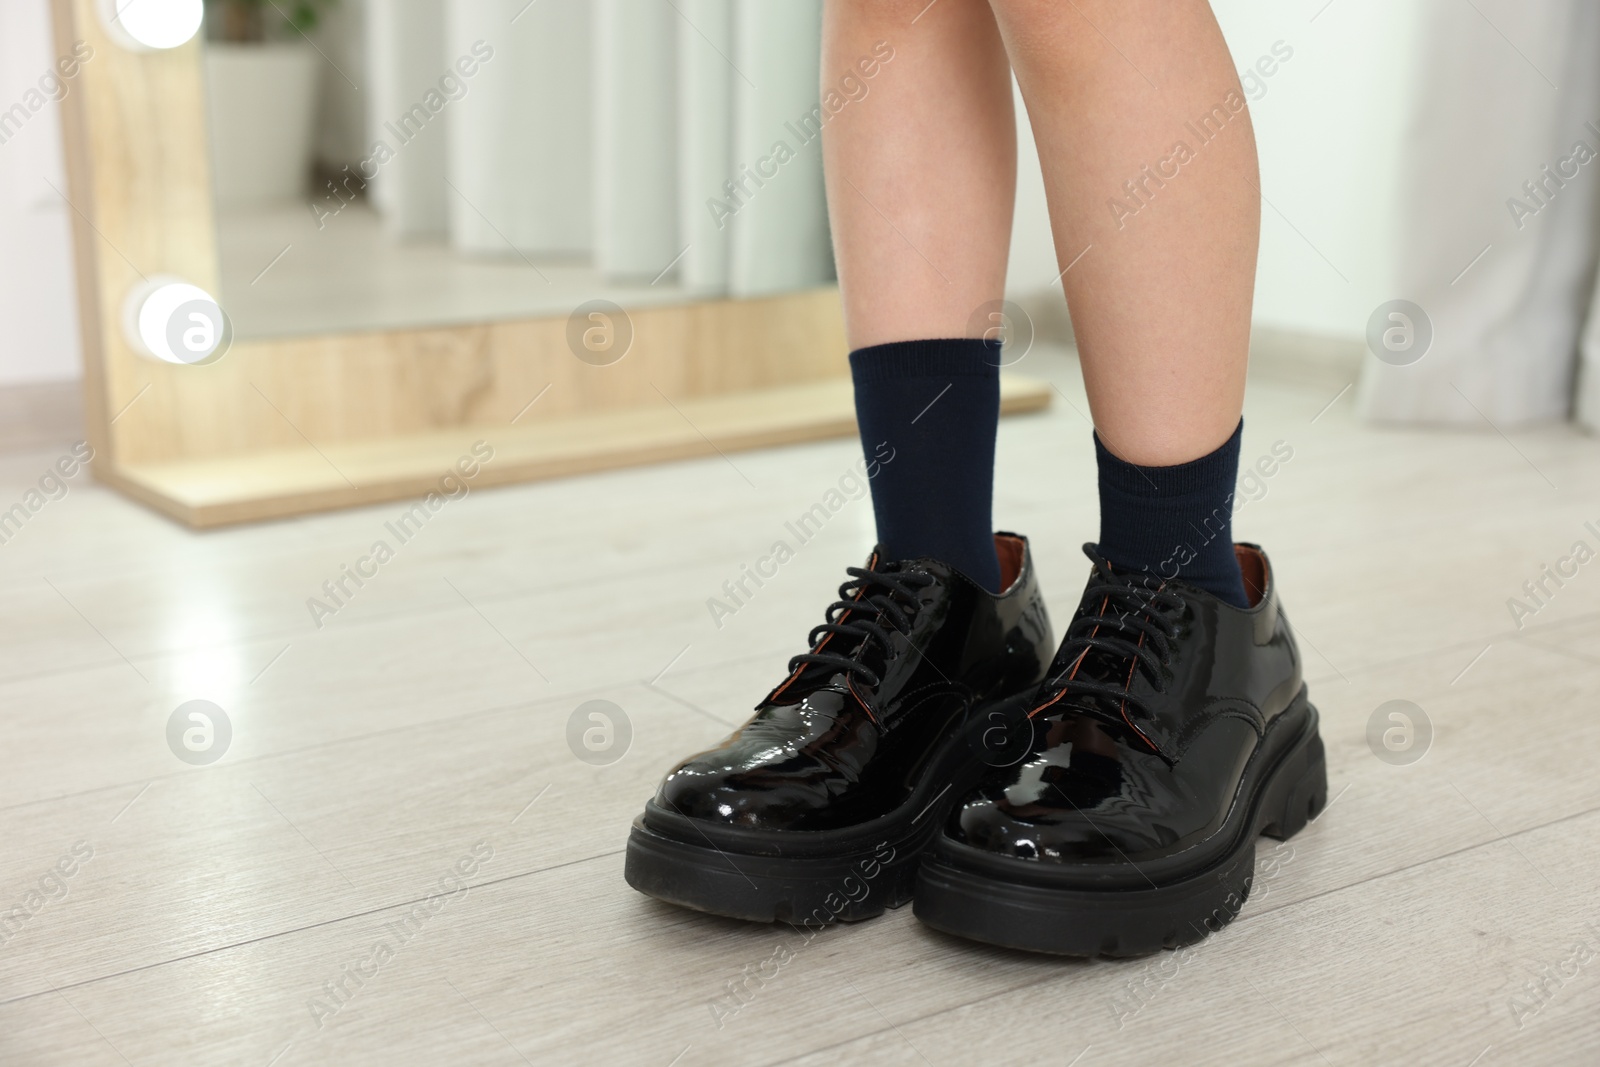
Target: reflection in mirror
[{"x": 424, "y": 162}]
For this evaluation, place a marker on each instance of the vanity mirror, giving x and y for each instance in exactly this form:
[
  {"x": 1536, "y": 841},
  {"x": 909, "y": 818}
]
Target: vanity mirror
[{"x": 317, "y": 263}]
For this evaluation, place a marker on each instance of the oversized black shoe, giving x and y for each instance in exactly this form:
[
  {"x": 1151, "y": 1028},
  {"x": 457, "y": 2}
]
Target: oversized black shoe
[
  {"x": 1172, "y": 730},
  {"x": 819, "y": 807}
]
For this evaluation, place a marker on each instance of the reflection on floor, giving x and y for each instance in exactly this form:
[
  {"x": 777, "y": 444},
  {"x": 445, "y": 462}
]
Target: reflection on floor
[
  {"x": 285, "y": 272},
  {"x": 300, "y": 900}
]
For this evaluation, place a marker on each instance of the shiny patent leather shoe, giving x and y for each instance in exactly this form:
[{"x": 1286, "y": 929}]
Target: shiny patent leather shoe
[
  {"x": 1172, "y": 729},
  {"x": 820, "y": 806}
]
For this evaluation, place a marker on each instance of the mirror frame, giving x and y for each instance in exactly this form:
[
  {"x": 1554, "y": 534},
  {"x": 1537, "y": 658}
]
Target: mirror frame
[{"x": 294, "y": 425}]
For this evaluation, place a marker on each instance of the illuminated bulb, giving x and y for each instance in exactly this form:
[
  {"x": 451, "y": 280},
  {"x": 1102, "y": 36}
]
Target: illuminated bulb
[
  {"x": 169, "y": 319},
  {"x": 152, "y": 24}
]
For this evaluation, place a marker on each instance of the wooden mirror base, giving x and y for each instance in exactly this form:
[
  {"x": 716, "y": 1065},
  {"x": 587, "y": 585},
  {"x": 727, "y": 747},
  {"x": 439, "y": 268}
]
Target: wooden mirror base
[{"x": 292, "y": 481}]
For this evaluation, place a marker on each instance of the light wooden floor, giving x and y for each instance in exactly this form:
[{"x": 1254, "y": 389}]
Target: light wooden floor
[{"x": 1443, "y": 912}]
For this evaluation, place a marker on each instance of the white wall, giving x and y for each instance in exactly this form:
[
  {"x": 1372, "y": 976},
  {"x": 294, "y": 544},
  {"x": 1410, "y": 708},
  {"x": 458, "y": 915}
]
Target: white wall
[
  {"x": 38, "y": 315},
  {"x": 1329, "y": 129},
  {"x": 1032, "y": 267},
  {"x": 1328, "y": 124}
]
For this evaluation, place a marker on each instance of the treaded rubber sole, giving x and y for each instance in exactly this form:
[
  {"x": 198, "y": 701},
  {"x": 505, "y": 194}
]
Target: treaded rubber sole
[
  {"x": 1123, "y": 923},
  {"x": 808, "y": 891}
]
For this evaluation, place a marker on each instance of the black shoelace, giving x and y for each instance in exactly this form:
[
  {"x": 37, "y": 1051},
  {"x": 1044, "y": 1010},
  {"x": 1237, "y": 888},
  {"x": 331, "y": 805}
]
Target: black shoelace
[
  {"x": 1130, "y": 627},
  {"x": 875, "y": 600}
]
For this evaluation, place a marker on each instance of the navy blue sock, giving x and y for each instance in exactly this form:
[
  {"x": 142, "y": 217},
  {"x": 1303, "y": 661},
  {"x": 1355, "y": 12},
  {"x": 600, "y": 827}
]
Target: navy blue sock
[
  {"x": 936, "y": 405},
  {"x": 1174, "y": 522}
]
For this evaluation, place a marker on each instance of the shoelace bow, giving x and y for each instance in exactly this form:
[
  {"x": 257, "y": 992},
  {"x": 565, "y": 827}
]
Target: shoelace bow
[
  {"x": 874, "y": 601},
  {"x": 1130, "y": 629}
]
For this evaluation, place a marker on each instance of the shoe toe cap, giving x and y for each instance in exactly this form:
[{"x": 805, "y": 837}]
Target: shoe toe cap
[
  {"x": 720, "y": 787},
  {"x": 1045, "y": 834}
]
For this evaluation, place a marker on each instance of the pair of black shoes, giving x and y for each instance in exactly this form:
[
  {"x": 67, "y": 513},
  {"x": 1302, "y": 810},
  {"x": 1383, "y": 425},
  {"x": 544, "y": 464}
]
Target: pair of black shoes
[{"x": 1105, "y": 800}]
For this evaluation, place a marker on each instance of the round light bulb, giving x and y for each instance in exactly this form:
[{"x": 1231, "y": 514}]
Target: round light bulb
[
  {"x": 171, "y": 320},
  {"x": 153, "y": 24}
]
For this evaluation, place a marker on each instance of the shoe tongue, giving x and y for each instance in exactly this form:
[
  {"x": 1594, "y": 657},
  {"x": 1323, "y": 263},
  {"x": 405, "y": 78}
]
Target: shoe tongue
[{"x": 884, "y": 563}]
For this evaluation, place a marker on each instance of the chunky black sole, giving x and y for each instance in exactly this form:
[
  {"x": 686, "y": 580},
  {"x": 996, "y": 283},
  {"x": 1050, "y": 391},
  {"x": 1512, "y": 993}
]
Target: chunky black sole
[
  {"x": 816, "y": 877},
  {"x": 1024, "y": 912},
  {"x": 809, "y": 891}
]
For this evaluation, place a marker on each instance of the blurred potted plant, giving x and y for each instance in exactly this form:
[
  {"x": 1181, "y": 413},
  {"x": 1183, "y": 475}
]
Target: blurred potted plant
[{"x": 262, "y": 77}]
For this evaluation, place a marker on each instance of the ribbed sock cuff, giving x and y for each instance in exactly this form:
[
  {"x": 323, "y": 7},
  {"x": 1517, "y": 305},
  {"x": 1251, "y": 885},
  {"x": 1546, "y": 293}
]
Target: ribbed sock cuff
[
  {"x": 960, "y": 357},
  {"x": 1203, "y": 475},
  {"x": 1174, "y": 522}
]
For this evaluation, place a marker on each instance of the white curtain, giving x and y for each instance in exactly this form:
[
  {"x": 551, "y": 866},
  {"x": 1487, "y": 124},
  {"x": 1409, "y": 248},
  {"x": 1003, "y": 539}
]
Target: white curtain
[
  {"x": 521, "y": 141},
  {"x": 627, "y": 133},
  {"x": 779, "y": 238},
  {"x": 404, "y": 58},
  {"x": 636, "y": 120},
  {"x": 1497, "y": 247},
  {"x": 705, "y": 140}
]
